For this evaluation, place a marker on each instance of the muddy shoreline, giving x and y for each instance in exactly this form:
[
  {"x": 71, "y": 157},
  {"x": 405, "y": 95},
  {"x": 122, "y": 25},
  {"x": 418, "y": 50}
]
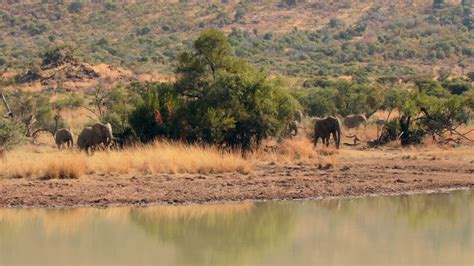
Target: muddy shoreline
[
  {"x": 353, "y": 175},
  {"x": 170, "y": 203}
]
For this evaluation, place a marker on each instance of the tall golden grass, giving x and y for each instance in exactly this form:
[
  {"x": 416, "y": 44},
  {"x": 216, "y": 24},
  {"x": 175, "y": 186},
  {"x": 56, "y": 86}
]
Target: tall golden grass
[
  {"x": 157, "y": 158},
  {"x": 297, "y": 151},
  {"x": 160, "y": 157}
]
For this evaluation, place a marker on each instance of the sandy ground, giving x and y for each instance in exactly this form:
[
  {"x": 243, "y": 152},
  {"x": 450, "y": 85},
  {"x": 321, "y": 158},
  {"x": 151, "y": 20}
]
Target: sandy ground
[{"x": 355, "y": 173}]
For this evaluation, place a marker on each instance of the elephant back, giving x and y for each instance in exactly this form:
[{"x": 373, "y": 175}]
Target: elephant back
[
  {"x": 84, "y": 138},
  {"x": 353, "y": 121},
  {"x": 62, "y": 135},
  {"x": 324, "y": 126}
]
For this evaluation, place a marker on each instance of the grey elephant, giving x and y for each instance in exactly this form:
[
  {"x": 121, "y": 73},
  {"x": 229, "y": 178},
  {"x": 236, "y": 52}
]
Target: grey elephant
[
  {"x": 299, "y": 116},
  {"x": 93, "y": 136},
  {"x": 293, "y": 128},
  {"x": 354, "y": 121},
  {"x": 64, "y": 137},
  {"x": 294, "y": 125},
  {"x": 323, "y": 128}
]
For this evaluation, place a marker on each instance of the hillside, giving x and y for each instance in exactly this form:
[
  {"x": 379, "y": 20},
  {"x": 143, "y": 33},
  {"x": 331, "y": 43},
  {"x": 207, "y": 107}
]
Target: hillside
[{"x": 293, "y": 38}]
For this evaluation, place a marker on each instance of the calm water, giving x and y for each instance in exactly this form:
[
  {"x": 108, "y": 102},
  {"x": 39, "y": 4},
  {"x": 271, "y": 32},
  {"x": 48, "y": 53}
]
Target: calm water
[{"x": 421, "y": 229}]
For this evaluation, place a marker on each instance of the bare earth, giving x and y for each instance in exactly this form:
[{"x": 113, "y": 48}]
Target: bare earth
[{"x": 356, "y": 173}]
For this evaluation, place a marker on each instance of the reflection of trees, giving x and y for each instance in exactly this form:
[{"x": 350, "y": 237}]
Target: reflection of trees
[
  {"x": 411, "y": 229},
  {"x": 416, "y": 210},
  {"x": 217, "y": 234},
  {"x": 422, "y": 210}
]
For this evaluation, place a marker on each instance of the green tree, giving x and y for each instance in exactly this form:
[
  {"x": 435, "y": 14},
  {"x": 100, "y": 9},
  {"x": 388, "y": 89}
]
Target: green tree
[
  {"x": 318, "y": 102},
  {"x": 431, "y": 87},
  {"x": 457, "y": 86},
  {"x": 228, "y": 102},
  {"x": 11, "y": 133},
  {"x": 158, "y": 114},
  {"x": 33, "y": 110},
  {"x": 120, "y": 102}
]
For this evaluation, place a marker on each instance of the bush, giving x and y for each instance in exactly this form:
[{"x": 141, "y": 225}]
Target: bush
[
  {"x": 58, "y": 56},
  {"x": 156, "y": 116},
  {"x": 217, "y": 99},
  {"x": 33, "y": 110},
  {"x": 268, "y": 36},
  {"x": 317, "y": 82},
  {"x": 457, "y": 86},
  {"x": 228, "y": 102},
  {"x": 317, "y": 102},
  {"x": 435, "y": 115},
  {"x": 431, "y": 88},
  {"x": 470, "y": 75},
  {"x": 438, "y": 4},
  {"x": 11, "y": 133},
  {"x": 75, "y": 7}
]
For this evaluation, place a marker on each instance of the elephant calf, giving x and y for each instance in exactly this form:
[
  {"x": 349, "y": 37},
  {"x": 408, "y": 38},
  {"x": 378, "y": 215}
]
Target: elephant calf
[
  {"x": 354, "y": 121},
  {"x": 93, "y": 136},
  {"x": 323, "y": 128},
  {"x": 64, "y": 137}
]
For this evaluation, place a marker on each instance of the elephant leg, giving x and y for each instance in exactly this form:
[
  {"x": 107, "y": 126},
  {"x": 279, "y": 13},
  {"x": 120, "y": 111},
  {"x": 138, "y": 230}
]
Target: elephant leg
[
  {"x": 88, "y": 150},
  {"x": 315, "y": 143}
]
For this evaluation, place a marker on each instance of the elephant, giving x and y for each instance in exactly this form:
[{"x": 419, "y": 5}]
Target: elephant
[
  {"x": 293, "y": 128},
  {"x": 323, "y": 128},
  {"x": 93, "y": 136},
  {"x": 299, "y": 116},
  {"x": 294, "y": 125},
  {"x": 354, "y": 121},
  {"x": 63, "y": 137}
]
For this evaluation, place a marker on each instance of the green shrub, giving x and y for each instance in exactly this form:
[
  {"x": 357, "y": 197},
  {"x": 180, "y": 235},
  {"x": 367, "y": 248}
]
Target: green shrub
[
  {"x": 228, "y": 102},
  {"x": 470, "y": 75},
  {"x": 11, "y": 133},
  {"x": 158, "y": 113},
  {"x": 457, "y": 86},
  {"x": 75, "y": 7}
]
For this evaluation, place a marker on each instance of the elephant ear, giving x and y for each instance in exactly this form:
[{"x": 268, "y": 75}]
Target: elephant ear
[{"x": 109, "y": 126}]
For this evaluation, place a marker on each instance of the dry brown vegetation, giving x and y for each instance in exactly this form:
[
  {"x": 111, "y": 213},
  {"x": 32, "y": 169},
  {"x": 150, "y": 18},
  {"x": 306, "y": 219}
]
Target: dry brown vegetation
[
  {"x": 158, "y": 158},
  {"x": 161, "y": 157},
  {"x": 298, "y": 151}
]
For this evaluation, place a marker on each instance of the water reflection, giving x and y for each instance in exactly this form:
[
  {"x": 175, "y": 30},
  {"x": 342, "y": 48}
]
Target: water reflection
[
  {"x": 220, "y": 234},
  {"x": 389, "y": 230}
]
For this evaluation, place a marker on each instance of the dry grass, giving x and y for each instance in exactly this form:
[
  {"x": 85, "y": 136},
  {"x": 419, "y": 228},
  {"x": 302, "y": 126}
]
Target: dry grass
[
  {"x": 166, "y": 157},
  {"x": 161, "y": 157},
  {"x": 297, "y": 151},
  {"x": 45, "y": 162}
]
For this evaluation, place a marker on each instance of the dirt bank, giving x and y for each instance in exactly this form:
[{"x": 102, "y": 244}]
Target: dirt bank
[{"x": 355, "y": 173}]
